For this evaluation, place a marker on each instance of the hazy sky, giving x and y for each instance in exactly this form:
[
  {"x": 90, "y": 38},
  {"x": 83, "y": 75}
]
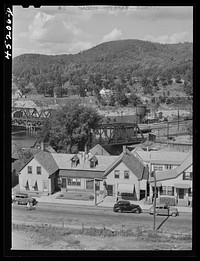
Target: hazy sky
[{"x": 70, "y": 29}]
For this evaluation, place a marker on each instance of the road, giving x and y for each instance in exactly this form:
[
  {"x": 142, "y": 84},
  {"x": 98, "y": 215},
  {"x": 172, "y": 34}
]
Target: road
[{"x": 77, "y": 216}]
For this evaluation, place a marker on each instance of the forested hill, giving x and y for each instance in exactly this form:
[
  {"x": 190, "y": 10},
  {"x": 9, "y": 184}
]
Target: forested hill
[{"x": 122, "y": 59}]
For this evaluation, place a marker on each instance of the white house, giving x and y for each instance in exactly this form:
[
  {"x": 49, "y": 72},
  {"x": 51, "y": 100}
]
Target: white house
[
  {"x": 46, "y": 171},
  {"x": 127, "y": 174},
  {"x": 176, "y": 182}
]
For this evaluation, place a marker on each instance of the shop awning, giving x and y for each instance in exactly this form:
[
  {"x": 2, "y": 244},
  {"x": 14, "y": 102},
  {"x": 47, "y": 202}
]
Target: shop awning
[
  {"x": 181, "y": 185},
  {"x": 24, "y": 182},
  {"x": 158, "y": 184},
  {"x": 125, "y": 188}
]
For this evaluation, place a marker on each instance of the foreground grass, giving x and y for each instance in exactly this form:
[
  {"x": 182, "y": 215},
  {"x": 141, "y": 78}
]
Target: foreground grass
[{"x": 55, "y": 233}]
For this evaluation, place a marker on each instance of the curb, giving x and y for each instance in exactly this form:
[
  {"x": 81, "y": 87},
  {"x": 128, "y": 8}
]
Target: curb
[{"x": 98, "y": 205}]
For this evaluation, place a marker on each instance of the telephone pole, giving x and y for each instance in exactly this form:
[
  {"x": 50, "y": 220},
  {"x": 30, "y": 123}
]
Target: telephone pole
[{"x": 153, "y": 174}]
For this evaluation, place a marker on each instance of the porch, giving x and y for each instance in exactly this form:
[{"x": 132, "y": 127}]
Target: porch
[{"x": 180, "y": 194}]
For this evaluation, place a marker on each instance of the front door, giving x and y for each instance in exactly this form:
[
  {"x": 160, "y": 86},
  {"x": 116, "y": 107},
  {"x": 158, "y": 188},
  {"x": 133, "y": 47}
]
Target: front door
[
  {"x": 110, "y": 190},
  {"x": 45, "y": 185},
  {"x": 180, "y": 193},
  {"x": 64, "y": 183}
]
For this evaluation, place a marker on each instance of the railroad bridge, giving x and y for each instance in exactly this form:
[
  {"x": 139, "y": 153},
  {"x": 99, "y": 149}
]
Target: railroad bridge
[{"x": 106, "y": 133}]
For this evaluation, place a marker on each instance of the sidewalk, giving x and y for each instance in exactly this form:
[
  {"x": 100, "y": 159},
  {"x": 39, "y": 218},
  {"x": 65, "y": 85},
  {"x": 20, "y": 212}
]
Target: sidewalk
[{"x": 103, "y": 203}]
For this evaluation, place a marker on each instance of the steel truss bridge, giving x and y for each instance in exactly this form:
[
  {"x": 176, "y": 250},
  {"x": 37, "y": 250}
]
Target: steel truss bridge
[
  {"x": 108, "y": 133},
  {"x": 117, "y": 133},
  {"x": 29, "y": 117}
]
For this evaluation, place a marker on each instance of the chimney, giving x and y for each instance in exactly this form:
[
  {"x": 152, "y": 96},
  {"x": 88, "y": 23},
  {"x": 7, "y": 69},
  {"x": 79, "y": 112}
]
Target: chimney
[
  {"x": 85, "y": 148},
  {"x": 124, "y": 148},
  {"x": 42, "y": 145}
]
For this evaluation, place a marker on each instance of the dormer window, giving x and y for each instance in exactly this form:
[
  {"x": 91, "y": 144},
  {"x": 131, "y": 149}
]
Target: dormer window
[
  {"x": 93, "y": 162},
  {"x": 75, "y": 161}
]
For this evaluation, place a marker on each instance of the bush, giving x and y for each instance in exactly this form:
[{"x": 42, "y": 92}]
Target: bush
[
  {"x": 171, "y": 201},
  {"x": 91, "y": 197}
]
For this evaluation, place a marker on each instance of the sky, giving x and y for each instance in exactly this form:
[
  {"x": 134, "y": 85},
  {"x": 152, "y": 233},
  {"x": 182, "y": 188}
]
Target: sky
[{"x": 71, "y": 29}]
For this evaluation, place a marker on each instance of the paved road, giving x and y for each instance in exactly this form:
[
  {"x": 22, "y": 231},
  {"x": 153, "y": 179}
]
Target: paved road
[{"x": 98, "y": 216}]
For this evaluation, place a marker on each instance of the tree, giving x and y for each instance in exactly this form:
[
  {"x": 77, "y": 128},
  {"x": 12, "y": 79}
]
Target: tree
[
  {"x": 69, "y": 127},
  {"x": 122, "y": 99},
  {"x": 188, "y": 87},
  {"x": 23, "y": 154},
  {"x": 134, "y": 99}
]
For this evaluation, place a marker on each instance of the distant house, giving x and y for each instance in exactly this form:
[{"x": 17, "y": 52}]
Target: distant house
[{"x": 105, "y": 92}]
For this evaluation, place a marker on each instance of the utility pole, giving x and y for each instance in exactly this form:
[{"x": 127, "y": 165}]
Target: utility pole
[
  {"x": 95, "y": 194},
  {"x": 153, "y": 174},
  {"x": 178, "y": 120}
]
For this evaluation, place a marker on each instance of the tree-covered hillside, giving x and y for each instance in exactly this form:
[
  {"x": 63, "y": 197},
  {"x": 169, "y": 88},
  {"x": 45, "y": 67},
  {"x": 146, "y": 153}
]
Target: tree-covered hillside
[{"x": 106, "y": 65}]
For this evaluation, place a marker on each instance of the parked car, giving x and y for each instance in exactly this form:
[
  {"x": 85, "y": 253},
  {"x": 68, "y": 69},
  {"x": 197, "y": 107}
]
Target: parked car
[
  {"x": 126, "y": 206},
  {"x": 23, "y": 199},
  {"x": 164, "y": 210}
]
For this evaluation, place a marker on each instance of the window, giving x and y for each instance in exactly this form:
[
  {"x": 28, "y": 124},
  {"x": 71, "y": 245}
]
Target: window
[
  {"x": 126, "y": 174},
  {"x": 45, "y": 185},
  {"x": 29, "y": 169},
  {"x": 189, "y": 192},
  {"x": 168, "y": 166},
  {"x": 39, "y": 170},
  {"x": 59, "y": 181},
  {"x": 170, "y": 191},
  {"x": 158, "y": 167},
  {"x": 164, "y": 190},
  {"x": 167, "y": 190},
  {"x": 36, "y": 186},
  {"x": 27, "y": 186},
  {"x": 187, "y": 175},
  {"x": 181, "y": 193},
  {"x": 75, "y": 161},
  {"x": 89, "y": 184},
  {"x": 74, "y": 182},
  {"x": 93, "y": 162},
  {"x": 116, "y": 174}
]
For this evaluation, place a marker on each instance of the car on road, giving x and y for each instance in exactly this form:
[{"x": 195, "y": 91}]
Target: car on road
[
  {"x": 23, "y": 199},
  {"x": 164, "y": 210},
  {"x": 126, "y": 206}
]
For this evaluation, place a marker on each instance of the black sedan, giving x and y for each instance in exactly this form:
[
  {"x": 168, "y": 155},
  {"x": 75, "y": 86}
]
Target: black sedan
[{"x": 126, "y": 206}]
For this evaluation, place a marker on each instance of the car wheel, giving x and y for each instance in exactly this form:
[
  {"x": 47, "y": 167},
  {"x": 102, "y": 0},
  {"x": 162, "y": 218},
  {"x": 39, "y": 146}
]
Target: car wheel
[
  {"x": 137, "y": 211},
  {"x": 174, "y": 214},
  {"x": 16, "y": 202},
  {"x": 121, "y": 210}
]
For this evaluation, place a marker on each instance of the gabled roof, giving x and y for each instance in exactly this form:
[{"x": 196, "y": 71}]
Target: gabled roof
[
  {"x": 63, "y": 161},
  {"x": 174, "y": 173},
  {"x": 133, "y": 163},
  {"x": 98, "y": 150},
  {"x": 47, "y": 161},
  {"x": 163, "y": 157}
]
